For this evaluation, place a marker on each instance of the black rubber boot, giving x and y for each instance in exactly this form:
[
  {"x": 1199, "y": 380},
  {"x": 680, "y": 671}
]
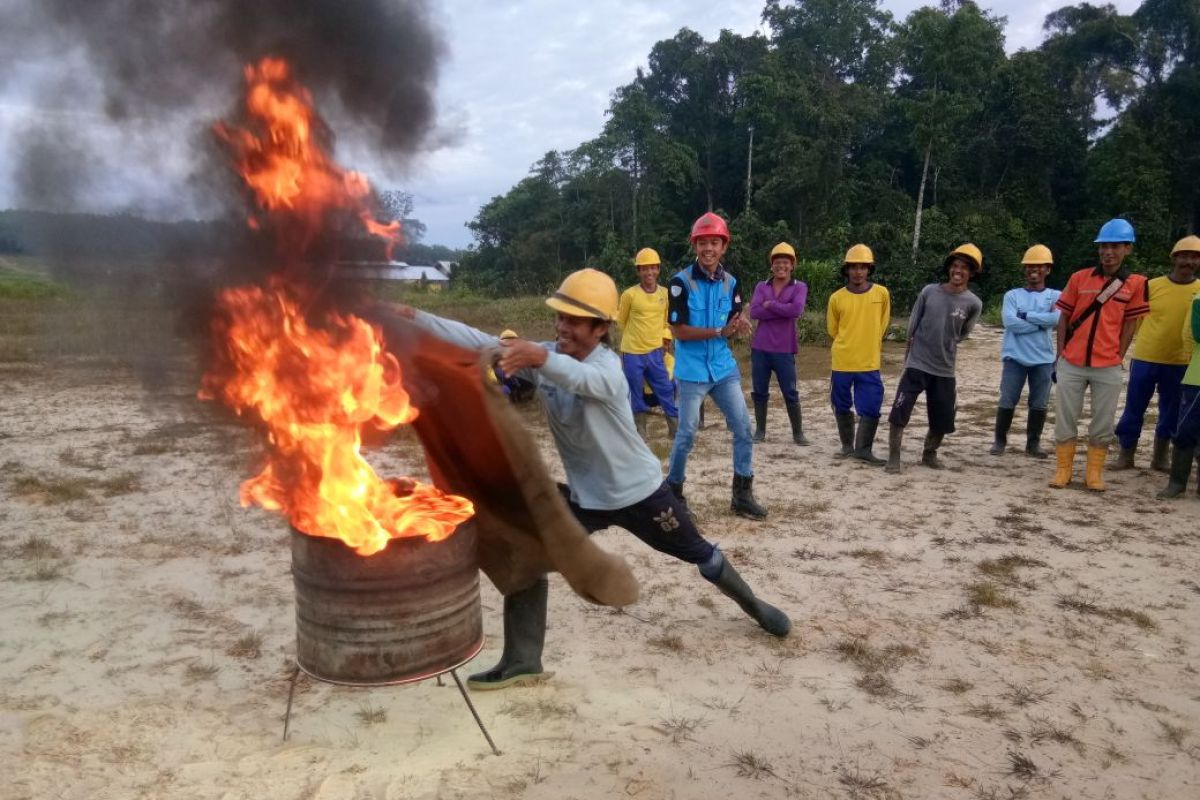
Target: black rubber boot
[
  {"x": 1033, "y": 437},
  {"x": 760, "y": 420},
  {"x": 1161, "y": 460},
  {"x": 796, "y": 417},
  {"x": 864, "y": 441},
  {"x": 1004, "y": 418},
  {"x": 1181, "y": 470},
  {"x": 743, "y": 503},
  {"x": 845, "y": 426},
  {"x": 929, "y": 453},
  {"x": 768, "y": 617},
  {"x": 895, "y": 438},
  {"x": 1125, "y": 458},
  {"x": 524, "y": 636},
  {"x": 672, "y": 427}
]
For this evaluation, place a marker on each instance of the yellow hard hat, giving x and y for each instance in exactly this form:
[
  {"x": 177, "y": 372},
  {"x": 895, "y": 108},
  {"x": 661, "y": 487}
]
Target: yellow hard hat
[
  {"x": 1188, "y": 244},
  {"x": 859, "y": 254},
  {"x": 971, "y": 252},
  {"x": 1038, "y": 254},
  {"x": 782, "y": 249},
  {"x": 645, "y": 257},
  {"x": 509, "y": 333},
  {"x": 586, "y": 293}
]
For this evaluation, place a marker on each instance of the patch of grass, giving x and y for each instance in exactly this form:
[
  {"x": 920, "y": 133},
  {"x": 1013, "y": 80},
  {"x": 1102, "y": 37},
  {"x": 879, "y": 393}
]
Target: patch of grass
[
  {"x": 124, "y": 483},
  {"x": 669, "y": 642},
  {"x": 1044, "y": 729},
  {"x": 51, "y": 490},
  {"x": 858, "y": 651},
  {"x": 539, "y": 709},
  {"x": 1025, "y": 695},
  {"x": 807, "y": 553},
  {"x": 986, "y": 711},
  {"x": 369, "y": 715},
  {"x": 750, "y": 765},
  {"x": 1004, "y": 569},
  {"x": 247, "y": 646},
  {"x": 1022, "y": 766},
  {"x": 21, "y": 285},
  {"x": 196, "y": 671},
  {"x": 680, "y": 729},
  {"x": 859, "y": 785},
  {"x": 986, "y": 594},
  {"x": 74, "y": 458},
  {"x": 957, "y": 686},
  {"x": 876, "y": 684},
  {"x": 1086, "y": 604},
  {"x": 872, "y": 558},
  {"x": 35, "y": 547},
  {"x": 1174, "y": 735}
]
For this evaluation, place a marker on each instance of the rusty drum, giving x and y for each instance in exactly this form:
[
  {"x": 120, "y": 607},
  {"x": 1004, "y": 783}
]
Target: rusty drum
[{"x": 408, "y": 612}]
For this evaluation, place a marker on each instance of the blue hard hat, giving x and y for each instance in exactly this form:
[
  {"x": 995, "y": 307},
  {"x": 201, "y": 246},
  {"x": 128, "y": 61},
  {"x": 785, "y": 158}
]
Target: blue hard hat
[{"x": 1116, "y": 230}]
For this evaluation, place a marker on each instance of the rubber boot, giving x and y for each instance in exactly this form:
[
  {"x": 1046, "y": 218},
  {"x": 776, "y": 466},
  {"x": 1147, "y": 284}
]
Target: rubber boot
[
  {"x": 895, "y": 438},
  {"x": 768, "y": 617},
  {"x": 672, "y": 427},
  {"x": 760, "y": 421},
  {"x": 1064, "y": 452},
  {"x": 864, "y": 441},
  {"x": 1161, "y": 460},
  {"x": 1033, "y": 437},
  {"x": 743, "y": 503},
  {"x": 1004, "y": 418},
  {"x": 845, "y": 426},
  {"x": 1096, "y": 455},
  {"x": 524, "y": 636},
  {"x": 1181, "y": 470},
  {"x": 1124, "y": 458},
  {"x": 797, "y": 419},
  {"x": 639, "y": 422},
  {"x": 929, "y": 453}
]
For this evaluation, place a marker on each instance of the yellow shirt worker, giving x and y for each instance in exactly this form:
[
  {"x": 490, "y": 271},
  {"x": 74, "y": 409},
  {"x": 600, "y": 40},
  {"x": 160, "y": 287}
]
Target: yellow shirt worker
[
  {"x": 1160, "y": 358},
  {"x": 856, "y": 318},
  {"x": 641, "y": 318}
]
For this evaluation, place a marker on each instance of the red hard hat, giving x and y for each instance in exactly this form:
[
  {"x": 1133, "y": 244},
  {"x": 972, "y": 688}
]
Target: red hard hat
[{"x": 710, "y": 225}]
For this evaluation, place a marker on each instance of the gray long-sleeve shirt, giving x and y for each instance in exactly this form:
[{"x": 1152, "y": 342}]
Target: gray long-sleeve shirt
[
  {"x": 608, "y": 465},
  {"x": 939, "y": 321}
]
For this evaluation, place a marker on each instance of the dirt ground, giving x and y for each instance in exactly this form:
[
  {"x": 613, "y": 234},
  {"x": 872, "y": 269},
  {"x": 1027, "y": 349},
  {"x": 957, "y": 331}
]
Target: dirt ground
[{"x": 969, "y": 633}]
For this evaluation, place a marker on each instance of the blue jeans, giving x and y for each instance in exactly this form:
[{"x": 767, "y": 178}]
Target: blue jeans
[
  {"x": 762, "y": 364},
  {"x": 1144, "y": 378},
  {"x": 1012, "y": 381},
  {"x": 727, "y": 394},
  {"x": 862, "y": 389},
  {"x": 649, "y": 368}
]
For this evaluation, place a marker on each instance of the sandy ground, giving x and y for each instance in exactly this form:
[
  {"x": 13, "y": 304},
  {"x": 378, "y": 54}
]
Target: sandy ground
[{"x": 959, "y": 634}]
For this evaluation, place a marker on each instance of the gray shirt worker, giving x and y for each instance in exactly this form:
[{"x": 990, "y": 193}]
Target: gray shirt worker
[
  {"x": 608, "y": 466},
  {"x": 939, "y": 321}
]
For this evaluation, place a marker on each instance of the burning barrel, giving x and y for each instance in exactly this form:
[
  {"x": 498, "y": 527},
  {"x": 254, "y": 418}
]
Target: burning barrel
[{"x": 406, "y": 613}]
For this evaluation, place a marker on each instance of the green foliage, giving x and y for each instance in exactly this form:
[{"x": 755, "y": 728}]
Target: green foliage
[
  {"x": 27, "y": 285},
  {"x": 847, "y": 120}
]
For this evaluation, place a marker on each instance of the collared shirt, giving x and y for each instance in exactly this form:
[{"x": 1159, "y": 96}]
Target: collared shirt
[
  {"x": 642, "y": 317},
  {"x": 703, "y": 302},
  {"x": 1097, "y": 342},
  {"x": 608, "y": 466},
  {"x": 776, "y": 330},
  {"x": 1158, "y": 340},
  {"x": 857, "y": 321},
  {"x": 1029, "y": 341}
]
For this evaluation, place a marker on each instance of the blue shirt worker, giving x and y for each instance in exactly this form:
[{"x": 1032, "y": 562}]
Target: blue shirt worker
[
  {"x": 1027, "y": 353},
  {"x": 705, "y": 312},
  {"x": 613, "y": 479}
]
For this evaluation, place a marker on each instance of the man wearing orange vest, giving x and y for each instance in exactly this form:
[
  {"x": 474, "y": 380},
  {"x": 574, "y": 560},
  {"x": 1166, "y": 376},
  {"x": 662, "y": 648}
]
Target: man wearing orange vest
[{"x": 1101, "y": 307}]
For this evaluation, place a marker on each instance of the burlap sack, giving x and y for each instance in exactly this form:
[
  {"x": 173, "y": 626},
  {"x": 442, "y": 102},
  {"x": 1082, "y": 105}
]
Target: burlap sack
[{"x": 477, "y": 447}]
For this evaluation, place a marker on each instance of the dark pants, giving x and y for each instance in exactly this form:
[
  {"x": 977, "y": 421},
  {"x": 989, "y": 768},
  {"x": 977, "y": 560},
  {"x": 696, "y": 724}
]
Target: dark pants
[
  {"x": 660, "y": 521},
  {"x": 1187, "y": 426},
  {"x": 1144, "y": 378},
  {"x": 862, "y": 389},
  {"x": 762, "y": 364},
  {"x": 940, "y": 400}
]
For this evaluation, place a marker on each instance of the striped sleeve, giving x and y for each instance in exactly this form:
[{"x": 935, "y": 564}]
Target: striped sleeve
[
  {"x": 1139, "y": 303},
  {"x": 1066, "y": 300}
]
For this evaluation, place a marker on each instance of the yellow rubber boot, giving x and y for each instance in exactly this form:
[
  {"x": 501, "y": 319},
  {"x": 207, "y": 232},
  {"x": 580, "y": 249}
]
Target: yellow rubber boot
[
  {"x": 1097, "y": 454},
  {"x": 1065, "y": 452}
]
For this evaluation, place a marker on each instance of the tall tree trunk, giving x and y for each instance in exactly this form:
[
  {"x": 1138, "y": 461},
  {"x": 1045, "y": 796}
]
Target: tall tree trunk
[
  {"x": 749, "y": 166},
  {"x": 636, "y": 183},
  {"x": 921, "y": 202}
]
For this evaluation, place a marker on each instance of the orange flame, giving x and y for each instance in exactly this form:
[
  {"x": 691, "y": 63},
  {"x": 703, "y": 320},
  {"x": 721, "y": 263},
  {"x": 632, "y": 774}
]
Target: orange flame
[{"x": 313, "y": 383}]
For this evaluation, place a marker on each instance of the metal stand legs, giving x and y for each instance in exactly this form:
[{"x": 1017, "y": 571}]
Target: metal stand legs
[{"x": 287, "y": 717}]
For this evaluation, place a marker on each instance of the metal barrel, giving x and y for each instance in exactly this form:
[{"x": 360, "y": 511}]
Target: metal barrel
[{"x": 406, "y": 613}]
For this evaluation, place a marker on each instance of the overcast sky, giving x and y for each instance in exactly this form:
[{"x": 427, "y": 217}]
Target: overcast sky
[{"x": 521, "y": 78}]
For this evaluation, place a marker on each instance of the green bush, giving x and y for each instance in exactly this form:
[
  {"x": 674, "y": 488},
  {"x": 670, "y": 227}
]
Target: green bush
[{"x": 16, "y": 285}]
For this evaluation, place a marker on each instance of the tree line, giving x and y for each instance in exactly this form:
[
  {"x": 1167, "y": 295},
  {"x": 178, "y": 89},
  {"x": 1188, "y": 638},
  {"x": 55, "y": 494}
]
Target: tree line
[{"x": 841, "y": 124}]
